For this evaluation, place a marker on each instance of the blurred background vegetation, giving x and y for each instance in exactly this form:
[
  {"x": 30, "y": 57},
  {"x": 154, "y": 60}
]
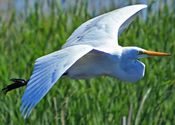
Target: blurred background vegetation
[{"x": 30, "y": 29}]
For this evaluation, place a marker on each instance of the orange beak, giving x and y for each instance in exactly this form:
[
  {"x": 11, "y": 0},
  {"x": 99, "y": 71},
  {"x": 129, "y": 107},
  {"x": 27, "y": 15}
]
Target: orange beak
[{"x": 153, "y": 53}]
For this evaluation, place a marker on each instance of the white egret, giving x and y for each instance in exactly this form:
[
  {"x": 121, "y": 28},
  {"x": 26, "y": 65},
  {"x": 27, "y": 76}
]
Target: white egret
[{"x": 92, "y": 50}]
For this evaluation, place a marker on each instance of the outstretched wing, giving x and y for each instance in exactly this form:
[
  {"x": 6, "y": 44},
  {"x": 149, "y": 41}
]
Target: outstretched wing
[
  {"x": 104, "y": 29},
  {"x": 47, "y": 70}
]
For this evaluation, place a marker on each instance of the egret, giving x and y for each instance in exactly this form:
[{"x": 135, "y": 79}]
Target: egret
[{"x": 92, "y": 50}]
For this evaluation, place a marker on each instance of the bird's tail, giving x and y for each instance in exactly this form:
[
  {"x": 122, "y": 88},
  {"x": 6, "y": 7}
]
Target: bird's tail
[{"x": 17, "y": 84}]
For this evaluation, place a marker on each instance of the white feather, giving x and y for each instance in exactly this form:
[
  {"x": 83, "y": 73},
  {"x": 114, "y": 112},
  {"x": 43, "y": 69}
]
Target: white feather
[
  {"x": 105, "y": 29},
  {"x": 47, "y": 70}
]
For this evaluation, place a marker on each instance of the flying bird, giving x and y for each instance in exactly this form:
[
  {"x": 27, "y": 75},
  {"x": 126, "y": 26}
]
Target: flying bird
[{"x": 92, "y": 50}]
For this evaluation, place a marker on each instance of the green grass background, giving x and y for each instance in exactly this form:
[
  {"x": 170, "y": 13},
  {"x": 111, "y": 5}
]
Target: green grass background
[{"x": 98, "y": 101}]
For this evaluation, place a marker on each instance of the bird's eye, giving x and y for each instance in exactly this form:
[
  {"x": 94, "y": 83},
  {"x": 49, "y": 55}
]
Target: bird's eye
[{"x": 140, "y": 52}]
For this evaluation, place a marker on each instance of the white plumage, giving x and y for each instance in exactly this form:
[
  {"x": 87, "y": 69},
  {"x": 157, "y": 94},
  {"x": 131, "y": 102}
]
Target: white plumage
[{"x": 92, "y": 50}]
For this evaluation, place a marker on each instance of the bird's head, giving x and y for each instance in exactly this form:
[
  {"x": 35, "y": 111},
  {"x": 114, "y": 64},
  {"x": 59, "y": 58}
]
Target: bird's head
[
  {"x": 132, "y": 70},
  {"x": 134, "y": 53}
]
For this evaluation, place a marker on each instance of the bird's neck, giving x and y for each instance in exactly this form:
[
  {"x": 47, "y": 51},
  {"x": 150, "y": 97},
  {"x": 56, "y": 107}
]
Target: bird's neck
[{"x": 131, "y": 70}]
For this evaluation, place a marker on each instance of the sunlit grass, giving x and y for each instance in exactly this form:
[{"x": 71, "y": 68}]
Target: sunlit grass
[{"x": 98, "y": 101}]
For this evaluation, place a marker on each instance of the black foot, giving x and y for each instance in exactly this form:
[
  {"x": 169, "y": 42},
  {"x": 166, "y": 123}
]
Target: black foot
[{"x": 17, "y": 84}]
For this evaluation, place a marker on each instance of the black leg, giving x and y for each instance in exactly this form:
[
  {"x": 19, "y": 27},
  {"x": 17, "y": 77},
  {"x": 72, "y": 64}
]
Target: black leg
[{"x": 17, "y": 84}]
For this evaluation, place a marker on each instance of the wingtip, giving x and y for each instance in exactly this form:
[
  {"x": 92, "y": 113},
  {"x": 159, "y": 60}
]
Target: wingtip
[
  {"x": 136, "y": 6},
  {"x": 143, "y": 5}
]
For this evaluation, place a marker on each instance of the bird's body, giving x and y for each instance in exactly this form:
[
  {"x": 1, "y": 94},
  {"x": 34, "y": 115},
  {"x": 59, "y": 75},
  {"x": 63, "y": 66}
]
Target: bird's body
[
  {"x": 114, "y": 64},
  {"x": 92, "y": 50},
  {"x": 85, "y": 67}
]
